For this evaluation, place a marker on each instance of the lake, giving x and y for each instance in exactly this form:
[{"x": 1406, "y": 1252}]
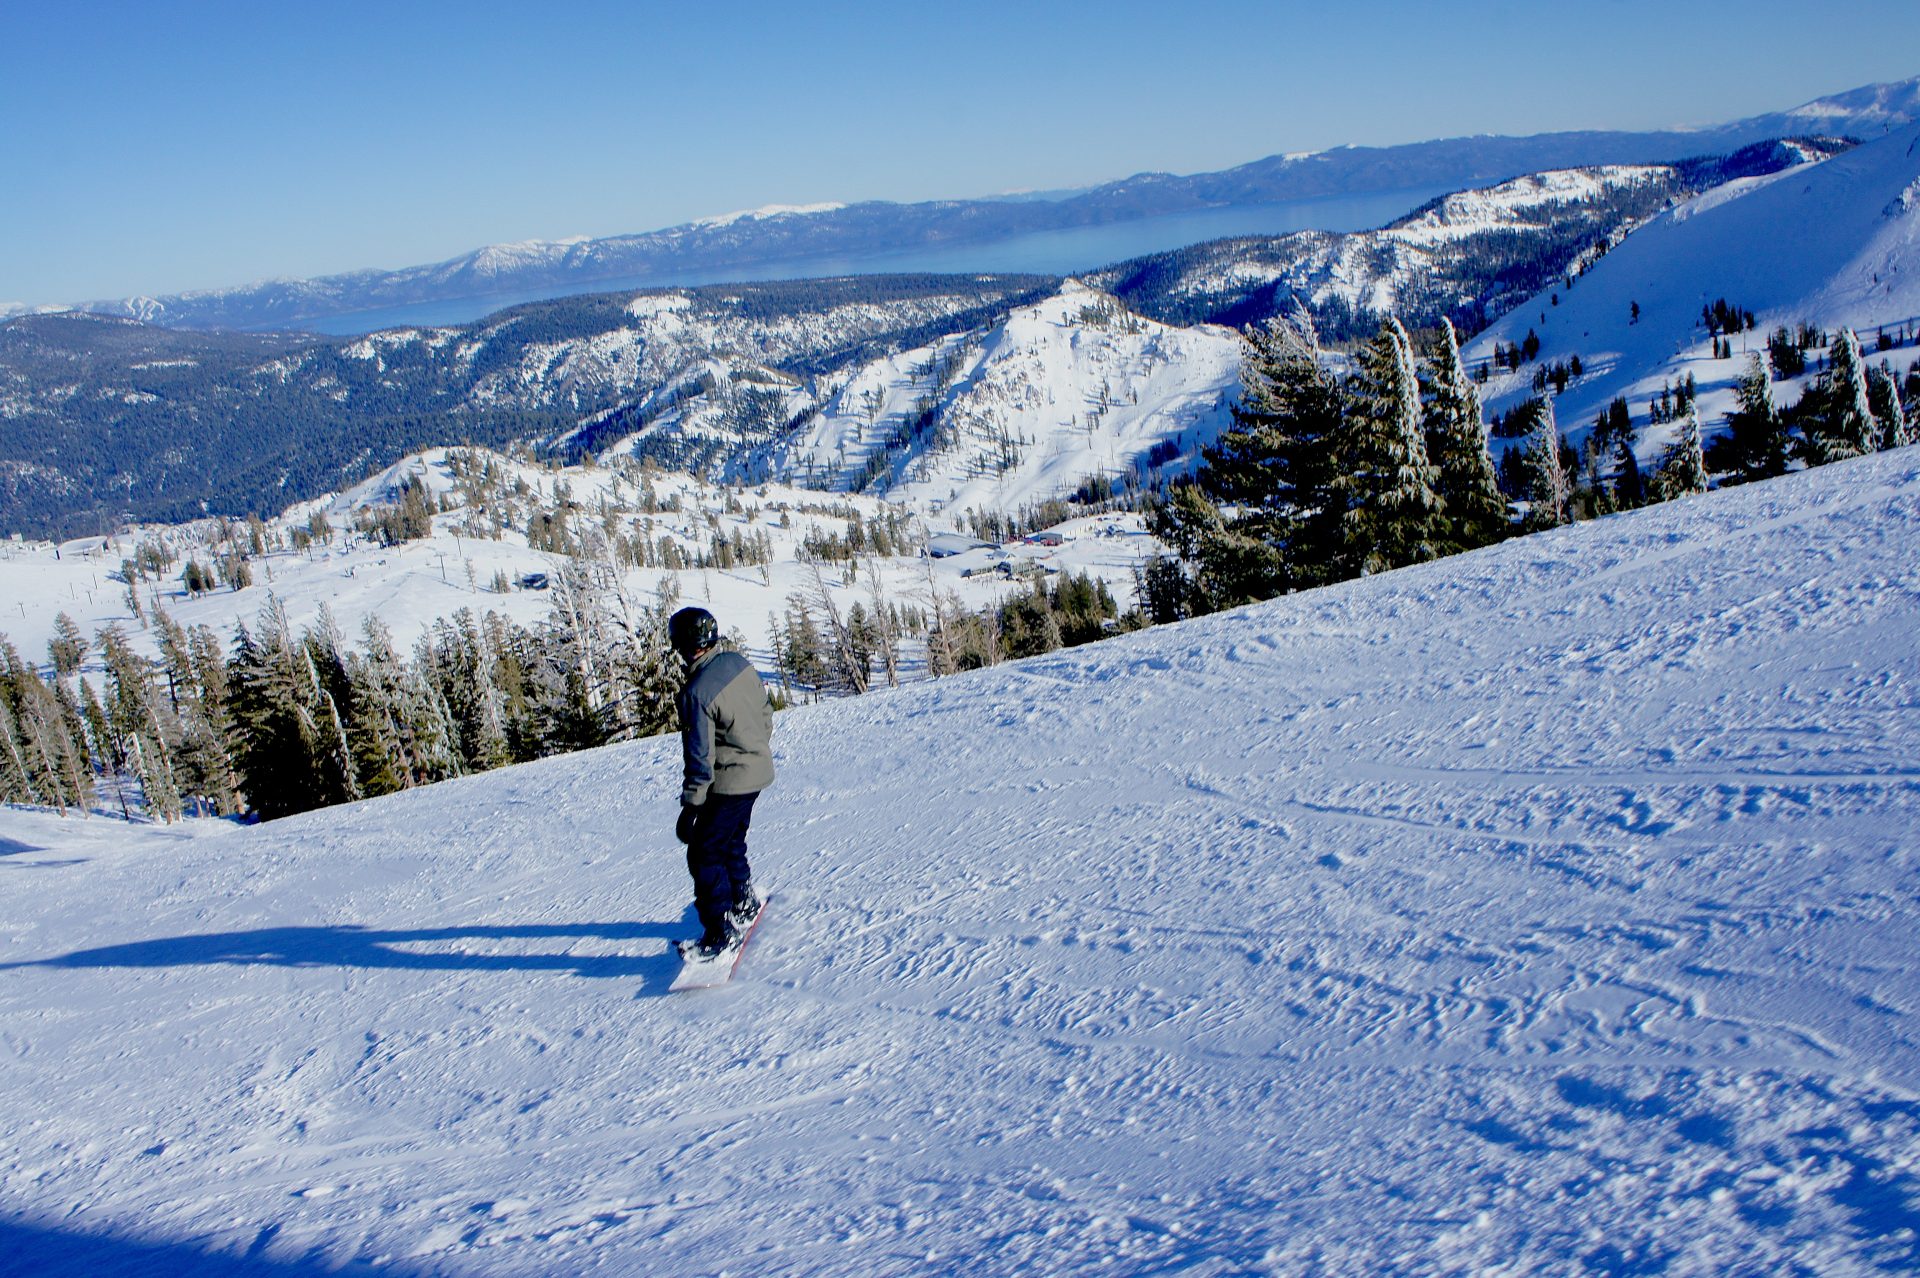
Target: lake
[{"x": 1059, "y": 252}]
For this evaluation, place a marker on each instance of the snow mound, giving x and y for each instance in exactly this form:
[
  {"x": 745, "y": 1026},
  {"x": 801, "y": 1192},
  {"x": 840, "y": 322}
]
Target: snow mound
[
  {"x": 1904, "y": 203},
  {"x": 1546, "y": 909}
]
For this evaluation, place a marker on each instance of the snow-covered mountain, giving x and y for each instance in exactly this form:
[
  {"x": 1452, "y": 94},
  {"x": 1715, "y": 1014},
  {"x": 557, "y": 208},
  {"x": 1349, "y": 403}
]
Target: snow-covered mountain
[
  {"x": 1863, "y": 114},
  {"x": 767, "y": 381},
  {"x": 1830, "y": 244},
  {"x": 1469, "y": 256},
  {"x": 1065, "y": 390},
  {"x": 1542, "y": 910},
  {"x": 988, "y": 392},
  {"x": 769, "y": 242},
  {"x": 110, "y": 419},
  {"x": 1426, "y": 261}
]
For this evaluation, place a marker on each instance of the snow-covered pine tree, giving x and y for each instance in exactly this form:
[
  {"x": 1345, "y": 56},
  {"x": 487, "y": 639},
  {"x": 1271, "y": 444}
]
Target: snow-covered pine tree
[
  {"x": 514, "y": 652},
  {"x": 330, "y": 695},
  {"x": 16, "y": 785},
  {"x": 1456, "y": 431},
  {"x": 1393, "y": 514},
  {"x": 146, "y": 731},
  {"x": 1683, "y": 469},
  {"x": 379, "y": 749},
  {"x": 286, "y": 759},
  {"x": 43, "y": 761},
  {"x": 1277, "y": 470},
  {"x": 647, "y": 672},
  {"x": 1843, "y": 424},
  {"x": 1889, "y": 413},
  {"x": 203, "y": 757},
  {"x": 401, "y": 733},
  {"x": 486, "y": 742},
  {"x": 1755, "y": 444},
  {"x": 455, "y": 661},
  {"x": 68, "y": 647},
  {"x": 1549, "y": 487}
]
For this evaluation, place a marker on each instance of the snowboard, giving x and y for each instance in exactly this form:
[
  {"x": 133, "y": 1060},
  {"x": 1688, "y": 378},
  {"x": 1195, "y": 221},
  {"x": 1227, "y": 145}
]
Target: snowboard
[{"x": 705, "y": 973}]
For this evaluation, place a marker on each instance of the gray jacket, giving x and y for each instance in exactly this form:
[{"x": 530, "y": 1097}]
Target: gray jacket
[{"x": 726, "y": 729}]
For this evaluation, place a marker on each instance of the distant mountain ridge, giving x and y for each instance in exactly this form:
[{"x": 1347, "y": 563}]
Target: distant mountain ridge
[
  {"x": 1467, "y": 257},
  {"x": 736, "y": 246},
  {"x": 866, "y": 383}
]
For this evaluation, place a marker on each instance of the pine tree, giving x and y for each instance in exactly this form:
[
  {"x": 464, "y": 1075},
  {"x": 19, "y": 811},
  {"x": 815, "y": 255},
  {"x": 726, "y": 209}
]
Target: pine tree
[
  {"x": 510, "y": 676},
  {"x": 215, "y": 708},
  {"x": 107, "y": 761},
  {"x": 1393, "y": 515},
  {"x": 1755, "y": 444},
  {"x": 1456, "y": 433},
  {"x": 1279, "y": 470},
  {"x": 41, "y": 761},
  {"x": 1630, "y": 486},
  {"x": 1890, "y": 414},
  {"x": 805, "y": 651},
  {"x": 16, "y": 783},
  {"x": 400, "y": 732},
  {"x": 886, "y": 628},
  {"x": 203, "y": 758},
  {"x": 68, "y": 647},
  {"x": 1842, "y": 424},
  {"x": 1683, "y": 470},
  {"x": 1549, "y": 489},
  {"x": 569, "y": 690},
  {"x": 146, "y": 731},
  {"x": 456, "y": 660},
  {"x": 379, "y": 754},
  {"x": 330, "y": 694},
  {"x": 292, "y": 754},
  {"x": 1027, "y": 623},
  {"x": 848, "y": 667},
  {"x": 648, "y": 673},
  {"x": 1275, "y": 472}
]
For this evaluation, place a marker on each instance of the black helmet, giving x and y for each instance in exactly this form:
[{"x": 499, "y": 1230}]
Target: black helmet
[{"x": 692, "y": 631}]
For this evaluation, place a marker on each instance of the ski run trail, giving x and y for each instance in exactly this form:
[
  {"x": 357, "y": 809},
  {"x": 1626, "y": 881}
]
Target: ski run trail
[{"x": 1545, "y": 910}]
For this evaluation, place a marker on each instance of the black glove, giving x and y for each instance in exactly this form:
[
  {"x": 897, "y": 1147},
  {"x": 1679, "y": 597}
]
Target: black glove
[{"x": 683, "y": 828}]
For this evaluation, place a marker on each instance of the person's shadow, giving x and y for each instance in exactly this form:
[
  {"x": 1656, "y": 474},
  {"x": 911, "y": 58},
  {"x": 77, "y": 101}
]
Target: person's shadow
[{"x": 461, "y": 949}]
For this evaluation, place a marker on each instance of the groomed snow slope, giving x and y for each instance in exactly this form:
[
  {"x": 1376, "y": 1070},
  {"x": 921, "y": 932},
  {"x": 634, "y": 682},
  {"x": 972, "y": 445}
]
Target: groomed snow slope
[{"x": 1549, "y": 909}]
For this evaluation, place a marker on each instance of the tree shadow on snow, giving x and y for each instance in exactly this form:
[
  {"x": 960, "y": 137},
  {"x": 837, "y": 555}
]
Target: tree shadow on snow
[
  {"x": 458, "y": 949},
  {"x": 48, "y": 1252}
]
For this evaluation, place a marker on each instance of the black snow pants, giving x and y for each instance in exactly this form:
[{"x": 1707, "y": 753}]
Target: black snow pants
[{"x": 717, "y": 858}]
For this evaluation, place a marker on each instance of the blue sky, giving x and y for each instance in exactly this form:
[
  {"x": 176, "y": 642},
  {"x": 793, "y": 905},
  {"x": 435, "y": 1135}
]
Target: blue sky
[{"x": 155, "y": 147}]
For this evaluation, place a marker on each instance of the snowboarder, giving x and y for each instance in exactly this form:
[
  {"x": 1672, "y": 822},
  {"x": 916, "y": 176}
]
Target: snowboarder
[{"x": 726, "y": 732}]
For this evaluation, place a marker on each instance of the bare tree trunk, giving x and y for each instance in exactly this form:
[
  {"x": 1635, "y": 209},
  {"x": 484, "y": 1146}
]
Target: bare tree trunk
[
  {"x": 883, "y": 623},
  {"x": 843, "y": 647},
  {"x": 941, "y": 658}
]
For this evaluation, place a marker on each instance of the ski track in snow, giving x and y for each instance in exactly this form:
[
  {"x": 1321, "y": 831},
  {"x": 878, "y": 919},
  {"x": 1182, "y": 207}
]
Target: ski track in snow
[{"x": 1548, "y": 909}]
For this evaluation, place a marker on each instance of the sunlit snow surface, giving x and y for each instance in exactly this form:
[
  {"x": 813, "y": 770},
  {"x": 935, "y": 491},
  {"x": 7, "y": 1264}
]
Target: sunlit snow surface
[{"x": 1545, "y": 910}]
